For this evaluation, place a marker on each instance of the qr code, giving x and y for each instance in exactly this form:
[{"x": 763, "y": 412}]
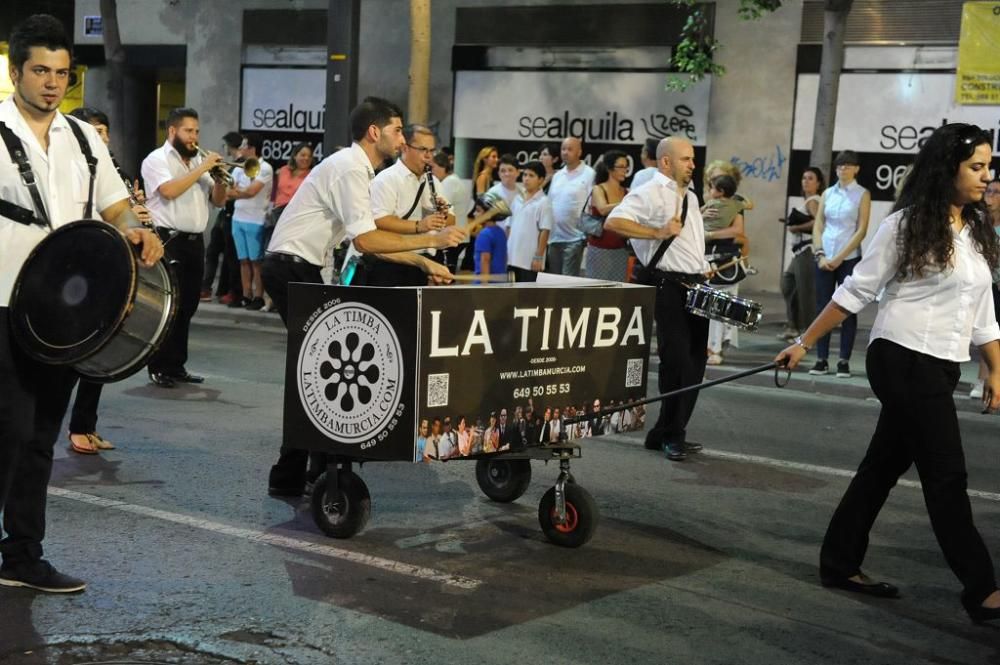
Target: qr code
[
  {"x": 437, "y": 390},
  {"x": 633, "y": 373}
]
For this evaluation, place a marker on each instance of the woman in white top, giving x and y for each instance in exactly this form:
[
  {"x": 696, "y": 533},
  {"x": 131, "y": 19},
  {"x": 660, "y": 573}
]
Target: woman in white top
[
  {"x": 840, "y": 226},
  {"x": 932, "y": 257},
  {"x": 798, "y": 281}
]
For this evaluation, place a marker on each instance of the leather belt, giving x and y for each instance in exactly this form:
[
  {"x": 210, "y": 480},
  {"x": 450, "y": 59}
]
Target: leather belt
[{"x": 286, "y": 258}]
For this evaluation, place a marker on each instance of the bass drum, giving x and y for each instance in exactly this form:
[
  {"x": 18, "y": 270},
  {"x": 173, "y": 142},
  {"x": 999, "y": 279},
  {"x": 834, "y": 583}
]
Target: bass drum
[{"x": 83, "y": 299}]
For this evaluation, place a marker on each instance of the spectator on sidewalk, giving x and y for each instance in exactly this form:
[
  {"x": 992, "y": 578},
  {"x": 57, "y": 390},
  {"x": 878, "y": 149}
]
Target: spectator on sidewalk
[
  {"x": 568, "y": 193},
  {"x": 251, "y": 196},
  {"x": 529, "y": 226},
  {"x": 648, "y": 159},
  {"x": 507, "y": 189},
  {"x": 220, "y": 243},
  {"x": 607, "y": 255},
  {"x": 798, "y": 281},
  {"x": 454, "y": 191},
  {"x": 840, "y": 227},
  {"x": 723, "y": 220}
]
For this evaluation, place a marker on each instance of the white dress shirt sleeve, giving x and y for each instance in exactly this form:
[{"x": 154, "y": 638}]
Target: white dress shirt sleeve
[
  {"x": 636, "y": 207},
  {"x": 155, "y": 172},
  {"x": 876, "y": 269},
  {"x": 985, "y": 328},
  {"x": 350, "y": 199}
]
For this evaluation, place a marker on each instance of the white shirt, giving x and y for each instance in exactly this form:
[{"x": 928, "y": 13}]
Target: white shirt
[
  {"x": 841, "y": 207},
  {"x": 395, "y": 189},
  {"x": 254, "y": 209},
  {"x": 332, "y": 203},
  {"x": 936, "y": 314},
  {"x": 456, "y": 191},
  {"x": 63, "y": 181},
  {"x": 189, "y": 211},
  {"x": 643, "y": 176},
  {"x": 528, "y": 218},
  {"x": 508, "y": 195},
  {"x": 568, "y": 193},
  {"x": 654, "y": 205}
]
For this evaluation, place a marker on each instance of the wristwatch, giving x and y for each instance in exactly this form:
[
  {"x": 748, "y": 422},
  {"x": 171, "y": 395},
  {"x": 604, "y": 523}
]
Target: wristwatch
[{"x": 798, "y": 341}]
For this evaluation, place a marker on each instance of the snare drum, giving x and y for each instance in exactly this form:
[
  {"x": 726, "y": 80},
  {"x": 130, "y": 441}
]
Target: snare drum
[
  {"x": 83, "y": 299},
  {"x": 721, "y": 306}
]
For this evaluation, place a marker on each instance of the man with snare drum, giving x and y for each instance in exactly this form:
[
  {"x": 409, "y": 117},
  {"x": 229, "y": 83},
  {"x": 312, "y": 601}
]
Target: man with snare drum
[
  {"x": 45, "y": 183},
  {"x": 663, "y": 220}
]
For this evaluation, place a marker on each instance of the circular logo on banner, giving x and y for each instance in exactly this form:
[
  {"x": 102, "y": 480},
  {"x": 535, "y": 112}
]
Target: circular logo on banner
[{"x": 350, "y": 372}]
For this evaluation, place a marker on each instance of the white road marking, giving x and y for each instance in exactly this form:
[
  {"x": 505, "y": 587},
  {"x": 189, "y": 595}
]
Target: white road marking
[
  {"x": 257, "y": 536},
  {"x": 825, "y": 470}
]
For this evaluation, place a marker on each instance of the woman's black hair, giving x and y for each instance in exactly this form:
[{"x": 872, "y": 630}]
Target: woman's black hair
[
  {"x": 602, "y": 170},
  {"x": 926, "y": 196}
]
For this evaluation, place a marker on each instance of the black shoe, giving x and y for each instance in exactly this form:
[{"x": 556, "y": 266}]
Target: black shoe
[
  {"x": 674, "y": 452},
  {"x": 162, "y": 380},
  {"x": 188, "y": 377},
  {"x": 40, "y": 575},
  {"x": 255, "y": 304},
  {"x": 242, "y": 302},
  {"x": 843, "y": 370},
  {"x": 979, "y": 614},
  {"x": 690, "y": 447},
  {"x": 821, "y": 367},
  {"x": 877, "y": 589}
]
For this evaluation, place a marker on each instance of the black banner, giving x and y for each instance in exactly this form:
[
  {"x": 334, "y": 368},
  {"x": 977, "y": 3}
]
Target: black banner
[{"x": 349, "y": 377}]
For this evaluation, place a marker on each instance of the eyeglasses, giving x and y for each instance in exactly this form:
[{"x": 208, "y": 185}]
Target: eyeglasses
[
  {"x": 619, "y": 167},
  {"x": 422, "y": 151}
]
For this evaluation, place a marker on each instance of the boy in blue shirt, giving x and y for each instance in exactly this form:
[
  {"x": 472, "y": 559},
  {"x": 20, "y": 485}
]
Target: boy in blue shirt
[{"x": 491, "y": 248}]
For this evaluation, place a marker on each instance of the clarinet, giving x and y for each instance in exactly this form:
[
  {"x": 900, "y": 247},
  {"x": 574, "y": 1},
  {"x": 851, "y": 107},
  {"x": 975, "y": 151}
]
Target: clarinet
[
  {"x": 133, "y": 200},
  {"x": 438, "y": 205}
]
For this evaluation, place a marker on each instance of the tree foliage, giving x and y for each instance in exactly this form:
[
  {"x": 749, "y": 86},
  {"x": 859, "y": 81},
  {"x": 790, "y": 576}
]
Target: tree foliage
[{"x": 693, "y": 56}]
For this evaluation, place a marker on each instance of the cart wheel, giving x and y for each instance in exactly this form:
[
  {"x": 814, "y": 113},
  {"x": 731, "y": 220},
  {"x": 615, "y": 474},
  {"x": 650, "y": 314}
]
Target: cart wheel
[
  {"x": 581, "y": 517},
  {"x": 503, "y": 480},
  {"x": 343, "y": 515}
]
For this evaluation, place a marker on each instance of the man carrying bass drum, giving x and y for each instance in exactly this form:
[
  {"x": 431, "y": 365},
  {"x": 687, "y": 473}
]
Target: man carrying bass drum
[{"x": 44, "y": 177}]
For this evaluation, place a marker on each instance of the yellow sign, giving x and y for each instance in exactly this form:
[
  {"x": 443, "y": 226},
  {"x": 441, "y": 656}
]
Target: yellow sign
[
  {"x": 74, "y": 94},
  {"x": 978, "y": 78}
]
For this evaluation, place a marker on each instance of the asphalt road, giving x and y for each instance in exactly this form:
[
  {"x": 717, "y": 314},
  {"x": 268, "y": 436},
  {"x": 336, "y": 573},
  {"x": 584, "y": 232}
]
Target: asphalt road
[{"x": 708, "y": 561}]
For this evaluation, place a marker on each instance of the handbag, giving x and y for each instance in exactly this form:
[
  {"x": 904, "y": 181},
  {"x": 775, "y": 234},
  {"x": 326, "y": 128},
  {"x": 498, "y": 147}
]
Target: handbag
[{"x": 591, "y": 224}]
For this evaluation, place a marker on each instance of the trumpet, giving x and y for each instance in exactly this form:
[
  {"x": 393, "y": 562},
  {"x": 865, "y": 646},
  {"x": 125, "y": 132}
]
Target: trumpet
[{"x": 250, "y": 166}]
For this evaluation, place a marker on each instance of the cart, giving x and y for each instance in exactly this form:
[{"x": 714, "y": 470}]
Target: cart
[{"x": 372, "y": 373}]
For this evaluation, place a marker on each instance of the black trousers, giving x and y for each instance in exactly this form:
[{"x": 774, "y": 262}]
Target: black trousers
[
  {"x": 186, "y": 254},
  {"x": 682, "y": 340},
  {"x": 33, "y": 400},
  {"x": 83, "y": 418},
  {"x": 290, "y": 471},
  {"x": 917, "y": 425}
]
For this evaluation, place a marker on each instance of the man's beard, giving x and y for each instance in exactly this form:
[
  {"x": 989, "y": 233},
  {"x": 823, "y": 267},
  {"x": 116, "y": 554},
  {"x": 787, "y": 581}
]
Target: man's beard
[{"x": 185, "y": 152}]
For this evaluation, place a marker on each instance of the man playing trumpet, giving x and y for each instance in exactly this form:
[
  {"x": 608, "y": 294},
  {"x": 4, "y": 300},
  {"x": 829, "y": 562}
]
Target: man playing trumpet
[{"x": 181, "y": 180}]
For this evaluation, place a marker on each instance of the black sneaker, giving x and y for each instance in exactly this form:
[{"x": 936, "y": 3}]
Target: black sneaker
[
  {"x": 821, "y": 367},
  {"x": 255, "y": 304},
  {"x": 843, "y": 370},
  {"x": 242, "y": 302},
  {"x": 674, "y": 452},
  {"x": 40, "y": 575}
]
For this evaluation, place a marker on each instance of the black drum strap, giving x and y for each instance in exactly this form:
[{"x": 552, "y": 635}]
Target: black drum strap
[
  {"x": 20, "y": 158},
  {"x": 88, "y": 155},
  {"x": 665, "y": 245}
]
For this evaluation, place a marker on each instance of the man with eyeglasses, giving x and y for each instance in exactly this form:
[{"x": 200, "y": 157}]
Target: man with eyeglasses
[{"x": 403, "y": 201}]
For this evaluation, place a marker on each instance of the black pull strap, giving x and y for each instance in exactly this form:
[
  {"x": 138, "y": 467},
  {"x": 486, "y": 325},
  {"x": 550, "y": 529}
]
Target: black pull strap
[
  {"x": 19, "y": 156},
  {"x": 665, "y": 245},
  {"x": 91, "y": 163}
]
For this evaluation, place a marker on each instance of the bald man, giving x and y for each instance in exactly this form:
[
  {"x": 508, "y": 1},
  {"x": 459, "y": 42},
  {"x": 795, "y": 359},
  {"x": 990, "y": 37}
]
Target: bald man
[
  {"x": 665, "y": 210},
  {"x": 568, "y": 193}
]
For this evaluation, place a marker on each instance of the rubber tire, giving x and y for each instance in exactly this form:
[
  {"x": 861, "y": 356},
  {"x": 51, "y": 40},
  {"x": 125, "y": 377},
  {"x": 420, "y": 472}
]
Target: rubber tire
[
  {"x": 356, "y": 502},
  {"x": 581, "y": 512},
  {"x": 502, "y": 480}
]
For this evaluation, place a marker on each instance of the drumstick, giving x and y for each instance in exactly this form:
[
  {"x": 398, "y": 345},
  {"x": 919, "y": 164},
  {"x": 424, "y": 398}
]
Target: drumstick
[{"x": 492, "y": 277}]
